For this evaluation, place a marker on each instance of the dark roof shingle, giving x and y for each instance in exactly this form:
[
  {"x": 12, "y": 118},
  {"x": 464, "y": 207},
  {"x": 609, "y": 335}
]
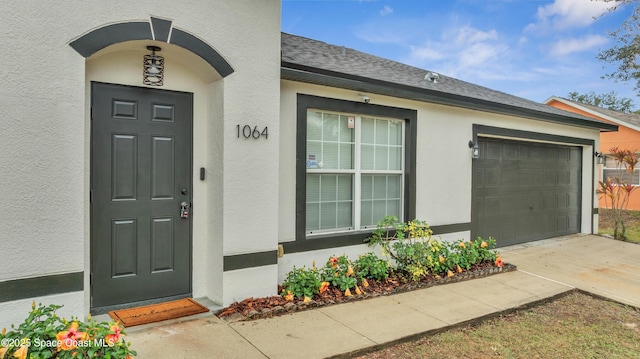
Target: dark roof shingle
[{"x": 317, "y": 57}]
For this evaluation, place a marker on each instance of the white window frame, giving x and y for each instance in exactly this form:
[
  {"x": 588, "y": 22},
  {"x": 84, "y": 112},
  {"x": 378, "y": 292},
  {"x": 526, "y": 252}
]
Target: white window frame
[{"x": 357, "y": 172}]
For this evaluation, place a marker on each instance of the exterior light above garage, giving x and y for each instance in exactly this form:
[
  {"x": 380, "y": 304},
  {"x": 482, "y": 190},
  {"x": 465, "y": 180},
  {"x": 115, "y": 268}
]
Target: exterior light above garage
[
  {"x": 475, "y": 149},
  {"x": 153, "y": 68},
  {"x": 600, "y": 157}
]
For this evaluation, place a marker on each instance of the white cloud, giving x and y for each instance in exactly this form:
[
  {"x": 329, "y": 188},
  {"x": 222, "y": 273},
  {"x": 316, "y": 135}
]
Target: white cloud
[
  {"x": 386, "y": 10},
  {"x": 426, "y": 52},
  {"x": 463, "y": 51},
  {"x": 522, "y": 40},
  {"x": 469, "y": 35},
  {"x": 480, "y": 54},
  {"x": 567, "y": 46},
  {"x": 565, "y": 14}
]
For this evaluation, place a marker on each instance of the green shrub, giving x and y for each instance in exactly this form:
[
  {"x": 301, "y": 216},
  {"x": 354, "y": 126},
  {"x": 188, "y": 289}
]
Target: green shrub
[
  {"x": 416, "y": 253},
  {"x": 301, "y": 283},
  {"x": 371, "y": 266},
  {"x": 340, "y": 273}
]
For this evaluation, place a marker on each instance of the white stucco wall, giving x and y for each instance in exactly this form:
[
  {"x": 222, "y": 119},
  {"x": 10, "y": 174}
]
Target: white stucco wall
[
  {"x": 16, "y": 311},
  {"x": 443, "y": 161},
  {"x": 45, "y": 131}
]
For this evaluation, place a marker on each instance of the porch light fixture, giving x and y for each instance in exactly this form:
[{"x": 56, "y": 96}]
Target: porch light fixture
[
  {"x": 475, "y": 149},
  {"x": 600, "y": 157},
  {"x": 153, "y": 68}
]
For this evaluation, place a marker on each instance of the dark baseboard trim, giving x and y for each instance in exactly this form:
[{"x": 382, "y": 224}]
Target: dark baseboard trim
[
  {"x": 250, "y": 260},
  {"x": 343, "y": 240},
  {"x": 41, "y": 286},
  {"x": 595, "y": 211},
  {"x": 451, "y": 228}
]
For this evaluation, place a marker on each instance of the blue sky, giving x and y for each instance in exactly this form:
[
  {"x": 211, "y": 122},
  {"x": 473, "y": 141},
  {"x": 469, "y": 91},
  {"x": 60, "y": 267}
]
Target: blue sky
[{"x": 529, "y": 48}]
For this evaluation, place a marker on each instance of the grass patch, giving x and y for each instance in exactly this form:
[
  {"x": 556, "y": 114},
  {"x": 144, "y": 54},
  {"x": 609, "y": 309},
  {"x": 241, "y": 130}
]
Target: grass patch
[
  {"x": 574, "y": 326},
  {"x": 631, "y": 221}
]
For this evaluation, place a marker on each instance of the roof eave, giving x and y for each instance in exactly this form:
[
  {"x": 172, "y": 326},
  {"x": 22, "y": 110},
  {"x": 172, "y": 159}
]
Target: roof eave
[
  {"x": 295, "y": 72},
  {"x": 593, "y": 112}
]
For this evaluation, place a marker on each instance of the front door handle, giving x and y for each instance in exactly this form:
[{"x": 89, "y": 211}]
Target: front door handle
[{"x": 184, "y": 210}]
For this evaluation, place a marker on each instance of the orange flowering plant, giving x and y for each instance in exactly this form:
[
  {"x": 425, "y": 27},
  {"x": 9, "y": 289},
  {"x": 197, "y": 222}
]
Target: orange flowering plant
[
  {"x": 302, "y": 283},
  {"x": 45, "y": 335},
  {"x": 617, "y": 191},
  {"x": 340, "y": 273}
]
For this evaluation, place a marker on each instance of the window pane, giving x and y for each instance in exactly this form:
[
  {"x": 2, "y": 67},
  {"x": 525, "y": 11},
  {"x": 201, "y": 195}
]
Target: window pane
[
  {"x": 395, "y": 133},
  {"x": 329, "y": 156},
  {"x": 382, "y": 157},
  {"x": 393, "y": 186},
  {"x": 366, "y": 183},
  {"x": 382, "y": 132},
  {"x": 623, "y": 175},
  {"x": 395, "y": 158},
  {"x": 334, "y": 206},
  {"x": 379, "y": 187},
  {"x": 345, "y": 188},
  {"x": 328, "y": 215},
  {"x": 314, "y": 126},
  {"x": 313, "y": 216},
  {"x": 314, "y": 154},
  {"x": 313, "y": 188},
  {"x": 393, "y": 208},
  {"x": 330, "y": 128},
  {"x": 328, "y": 188},
  {"x": 345, "y": 215},
  {"x": 366, "y": 157},
  {"x": 366, "y": 209},
  {"x": 346, "y": 156},
  {"x": 379, "y": 210},
  {"x": 386, "y": 191},
  {"x": 368, "y": 130}
]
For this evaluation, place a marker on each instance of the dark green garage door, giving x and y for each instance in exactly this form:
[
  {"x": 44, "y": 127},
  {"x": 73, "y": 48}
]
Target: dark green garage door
[{"x": 525, "y": 191}]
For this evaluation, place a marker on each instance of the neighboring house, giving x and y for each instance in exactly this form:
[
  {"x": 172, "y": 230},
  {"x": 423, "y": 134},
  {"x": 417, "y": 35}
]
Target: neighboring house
[
  {"x": 627, "y": 137},
  {"x": 116, "y": 193}
]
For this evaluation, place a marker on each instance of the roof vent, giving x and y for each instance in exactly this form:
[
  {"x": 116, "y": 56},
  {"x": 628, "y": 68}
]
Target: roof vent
[{"x": 432, "y": 76}]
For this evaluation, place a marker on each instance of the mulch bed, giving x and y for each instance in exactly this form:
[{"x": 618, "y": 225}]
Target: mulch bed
[{"x": 256, "y": 308}]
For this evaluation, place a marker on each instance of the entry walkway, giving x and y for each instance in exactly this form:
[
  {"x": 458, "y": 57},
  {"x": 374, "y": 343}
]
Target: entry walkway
[{"x": 545, "y": 269}]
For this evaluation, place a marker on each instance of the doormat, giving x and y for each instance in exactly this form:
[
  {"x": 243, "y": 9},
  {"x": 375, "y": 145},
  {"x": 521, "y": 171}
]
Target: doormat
[{"x": 157, "y": 312}]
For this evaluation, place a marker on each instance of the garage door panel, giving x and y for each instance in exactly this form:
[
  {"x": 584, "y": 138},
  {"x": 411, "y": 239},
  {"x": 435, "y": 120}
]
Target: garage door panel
[
  {"x": 510, "y": 151},
  {"x": 525, "y": 191},
  {"x": 478, "y": 174},
  {"x": 491, "y": 205},
  {"x": 562, "y": 201},
  {"x": 492, "y": 177},
  {"x": 563, "y": 154},
  {"x": 562, "y": 223}
]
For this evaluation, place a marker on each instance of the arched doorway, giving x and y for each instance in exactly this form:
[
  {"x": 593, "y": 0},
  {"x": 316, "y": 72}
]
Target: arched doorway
[{"x": 142, "y": 144}]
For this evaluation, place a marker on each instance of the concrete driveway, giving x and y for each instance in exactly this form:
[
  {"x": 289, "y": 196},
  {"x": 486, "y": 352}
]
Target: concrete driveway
[{"x": 596, "y": 264}]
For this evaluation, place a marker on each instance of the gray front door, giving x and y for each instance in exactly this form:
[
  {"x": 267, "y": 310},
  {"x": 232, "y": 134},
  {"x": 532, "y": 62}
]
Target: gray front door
[
  {"x": 140, "y": 174},
  {"x": 525, "y": 191}
]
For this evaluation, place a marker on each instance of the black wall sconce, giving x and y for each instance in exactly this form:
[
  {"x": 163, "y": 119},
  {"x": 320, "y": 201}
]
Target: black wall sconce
[
  {"x": 475, "y": 149},
  {"x": 600, "y": 157},
  {"x": 153, "y": 68}
]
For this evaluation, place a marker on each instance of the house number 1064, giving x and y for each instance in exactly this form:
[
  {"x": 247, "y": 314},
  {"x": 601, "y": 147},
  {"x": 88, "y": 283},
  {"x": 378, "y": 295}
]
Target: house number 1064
[{"x": 247, "y": 132}]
